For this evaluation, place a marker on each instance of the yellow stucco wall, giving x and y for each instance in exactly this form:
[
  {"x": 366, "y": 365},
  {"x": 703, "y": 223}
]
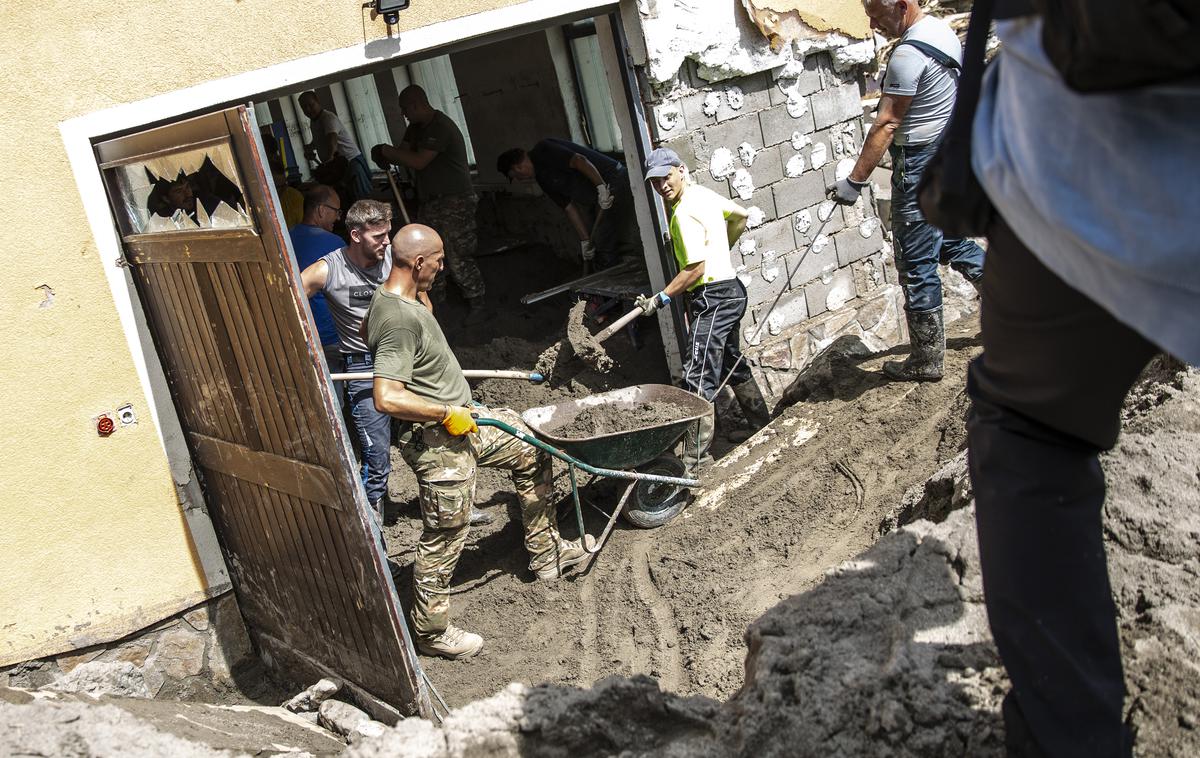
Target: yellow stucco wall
[{"x": 92, "y": 541}]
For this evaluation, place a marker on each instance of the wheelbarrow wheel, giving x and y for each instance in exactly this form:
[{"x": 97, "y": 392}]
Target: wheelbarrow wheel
[{"x": 654, "y": 503}]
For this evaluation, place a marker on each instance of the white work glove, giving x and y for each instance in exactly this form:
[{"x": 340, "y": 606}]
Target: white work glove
[
  {"x": 604, "y": 196},
  {"x": 846, "y": 191},
  {"x": 587, "y": 250},
  {"x": 650, "y": 304}
]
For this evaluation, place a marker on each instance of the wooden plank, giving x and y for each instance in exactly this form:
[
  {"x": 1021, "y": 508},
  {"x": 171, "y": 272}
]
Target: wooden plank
[
  {"x": 216, "y": 246},
  {"x": 268, "y": 470}
]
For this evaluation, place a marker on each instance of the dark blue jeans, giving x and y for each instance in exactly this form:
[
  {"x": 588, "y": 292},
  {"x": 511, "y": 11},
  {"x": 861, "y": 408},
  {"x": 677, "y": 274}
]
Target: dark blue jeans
[
  {"x": 919, "y": 245},
  {"x": 715, "y": 311},
  {"x": 374, "y": 430}
]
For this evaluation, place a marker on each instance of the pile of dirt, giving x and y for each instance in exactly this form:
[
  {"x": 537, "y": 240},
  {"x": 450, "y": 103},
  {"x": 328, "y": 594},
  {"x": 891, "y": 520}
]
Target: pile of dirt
[
  {"x": 889, "y": 653},
  {"x": 594, "y": 420}
]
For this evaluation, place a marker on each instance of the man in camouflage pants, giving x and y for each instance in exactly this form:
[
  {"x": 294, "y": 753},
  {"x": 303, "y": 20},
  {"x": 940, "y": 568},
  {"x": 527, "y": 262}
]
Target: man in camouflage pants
[
  {"x": 418, "y": 380},
  {"x": 434, "y": 149}
]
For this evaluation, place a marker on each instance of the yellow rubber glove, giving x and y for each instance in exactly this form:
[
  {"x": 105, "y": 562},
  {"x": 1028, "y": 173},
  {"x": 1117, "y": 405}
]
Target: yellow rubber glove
[{"x": 458, "y": 421}]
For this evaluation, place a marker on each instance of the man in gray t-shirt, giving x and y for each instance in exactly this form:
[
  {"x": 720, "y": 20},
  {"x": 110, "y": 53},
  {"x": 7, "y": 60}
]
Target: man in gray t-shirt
[
  {"x": 331, "y": 139},
  {"x": 434, "y": 148},
  {"x": 348, "y": 277},
  {"x": 919, "y": 89}
]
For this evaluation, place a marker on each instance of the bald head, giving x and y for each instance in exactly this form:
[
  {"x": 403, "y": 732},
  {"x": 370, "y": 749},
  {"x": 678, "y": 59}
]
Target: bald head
[
  {"x": 415, "y": 241},
  {"x": 414, "y": 104}
]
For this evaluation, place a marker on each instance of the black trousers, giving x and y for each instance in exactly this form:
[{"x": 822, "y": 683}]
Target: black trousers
[
  {"x": 714, "y": 345},
  {"x": 1046, "y": 398}
]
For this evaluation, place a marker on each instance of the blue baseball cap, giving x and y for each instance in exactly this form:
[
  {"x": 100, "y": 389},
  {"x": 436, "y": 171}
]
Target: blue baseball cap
[{"x": 661, "y": 161}]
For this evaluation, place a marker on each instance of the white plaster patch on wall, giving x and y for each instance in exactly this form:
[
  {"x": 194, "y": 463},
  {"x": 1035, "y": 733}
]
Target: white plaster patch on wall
[
  {"x": 746, "y": 154},
  {"x": 800, "y": 140},
  {"x": 743, "y": 184},
  {"x": 670, "y": 116},
  {"x": 840, "y": 294},
  {"x": 721, "y": 163},
  {"x": 855, "y": 54},
  {"x": 820, "y": 243},
  {"x": 711, "y": 104},
  {"x": 843, "y": 168},
  {"x": 774, "y": 324},
  {"x": 755, "y": 217},
  {"x": 743, "y": 274},
  {"x": 803, "y": 221},
  {"x": 795, "y": 166},
  {"x": 797, "y": 104},
  {"x": 868, "y": 227},
  {"x": 769, "y": 271},
  {"x": 820, "y": 154},
  {"x": 735, "y": 97},
  {"x": 825, "y": 210},
  {"x": 749, "y": 247}
]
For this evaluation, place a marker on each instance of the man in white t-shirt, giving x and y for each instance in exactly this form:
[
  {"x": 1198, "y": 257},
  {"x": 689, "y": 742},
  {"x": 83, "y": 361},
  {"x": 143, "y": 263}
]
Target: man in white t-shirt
[
  {"x": 919, "y": 90},
  {"x": 331, "y": 139}
]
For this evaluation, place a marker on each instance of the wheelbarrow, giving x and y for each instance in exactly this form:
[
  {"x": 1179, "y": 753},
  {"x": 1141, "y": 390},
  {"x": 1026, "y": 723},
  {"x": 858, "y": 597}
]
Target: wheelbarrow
[{"x": 657, "y": 483}]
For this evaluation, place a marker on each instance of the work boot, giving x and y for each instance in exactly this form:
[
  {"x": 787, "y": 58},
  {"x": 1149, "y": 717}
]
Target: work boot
[
  {"x": 927, "y": 338},
  {"x": 454, "y": 643},
  {"x": 696, "y": 442},
  {"x": 754, "y": 410},
  {"x": 568, "y": 554}
]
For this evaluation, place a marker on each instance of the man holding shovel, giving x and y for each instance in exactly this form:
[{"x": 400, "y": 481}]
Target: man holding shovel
[
  {"x": 703, "y": 227},
  {"x": 583, "y": 182},
  {"x": 418, "y": 380}
]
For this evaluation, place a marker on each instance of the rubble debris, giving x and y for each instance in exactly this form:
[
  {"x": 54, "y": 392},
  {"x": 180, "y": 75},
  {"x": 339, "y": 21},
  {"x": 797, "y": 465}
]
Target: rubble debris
[
  {"x": 311, "y": 698},
  {"x": 347, "y": 721}
]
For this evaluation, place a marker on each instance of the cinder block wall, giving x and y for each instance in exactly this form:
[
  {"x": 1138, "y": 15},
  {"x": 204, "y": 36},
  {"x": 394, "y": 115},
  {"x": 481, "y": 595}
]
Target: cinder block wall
[{"x": 786, "y": 137}]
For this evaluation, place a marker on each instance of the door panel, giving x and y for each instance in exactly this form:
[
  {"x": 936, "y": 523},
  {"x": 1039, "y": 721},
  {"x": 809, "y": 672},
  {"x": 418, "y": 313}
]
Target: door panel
[{"x": 229, "y": 320}]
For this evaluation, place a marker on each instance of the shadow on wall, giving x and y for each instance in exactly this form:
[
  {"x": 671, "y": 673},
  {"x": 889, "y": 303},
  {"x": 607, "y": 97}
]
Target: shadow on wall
[{"x": 890, "y": 655}]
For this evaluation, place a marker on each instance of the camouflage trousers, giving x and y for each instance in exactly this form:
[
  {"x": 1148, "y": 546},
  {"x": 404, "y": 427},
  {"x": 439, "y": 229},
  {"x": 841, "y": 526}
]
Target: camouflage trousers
[
  {"x": 445, "y": 467},
  {"x": 453, "y": 217}
]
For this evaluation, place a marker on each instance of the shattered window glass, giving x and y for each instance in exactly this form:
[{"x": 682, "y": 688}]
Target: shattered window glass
[{"x": 187, "y": 190}]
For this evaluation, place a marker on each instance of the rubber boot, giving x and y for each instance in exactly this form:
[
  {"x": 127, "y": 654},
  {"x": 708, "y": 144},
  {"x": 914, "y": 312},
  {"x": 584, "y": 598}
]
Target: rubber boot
[
  {"x": 927, "y": 338},
  {"x": 754, "y": 410},
  {"x": 696, "y": 442}
]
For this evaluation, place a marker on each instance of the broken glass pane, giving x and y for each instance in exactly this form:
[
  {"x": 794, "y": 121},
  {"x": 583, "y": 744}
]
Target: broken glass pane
[{"x": 191, "y": 189}]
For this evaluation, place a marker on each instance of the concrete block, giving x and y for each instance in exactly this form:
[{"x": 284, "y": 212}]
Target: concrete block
[
  {"x": 753, "y": 92},
  {"x": 667, "y": 120},
  {"x": 685, "y": 147},
  {"x": 759, "y": 290},
  {"x": 764, "y": 199},
  {"x": 693, "y": 110},
  {"x": 791, "y": 310},
  {"x": 730, "y": 134},
  {"x": 777, "y": 236},
  {"x": 778, "y": 125},
  {"x": 705, "y": 179},
  {"x": 767, "y": 167},
  {"x": 792, "y": 194},
  {"x": 807, "y": 263},
  {"x": 868, "y": 276},
  {"x": 825, "y": 296},
  {"x": 852, "y": 245},
  {"x": 835, "y": 104}
]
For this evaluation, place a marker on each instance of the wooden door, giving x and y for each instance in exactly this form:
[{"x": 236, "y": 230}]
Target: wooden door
[{"x": 204, "y": 242}]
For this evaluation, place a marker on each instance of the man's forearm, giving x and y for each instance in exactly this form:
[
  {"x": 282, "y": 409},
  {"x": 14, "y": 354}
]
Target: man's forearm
[
  {"x": 406, "y": 405},
  {"x": 879, "y": 139},
  {"x": 576, "y": 220},
  {"x": 734, "y": 226},
  {"x": 684, "y": 279},
  {"x": 401, "y": 155}
]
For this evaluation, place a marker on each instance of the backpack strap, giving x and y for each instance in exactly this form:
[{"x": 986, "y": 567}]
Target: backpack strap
[{"x": 932, "y": 52}]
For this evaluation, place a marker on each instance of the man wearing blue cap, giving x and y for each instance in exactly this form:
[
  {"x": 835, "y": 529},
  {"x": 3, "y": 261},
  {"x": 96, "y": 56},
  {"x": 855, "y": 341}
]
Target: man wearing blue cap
[{"x": 704, "y": 226}]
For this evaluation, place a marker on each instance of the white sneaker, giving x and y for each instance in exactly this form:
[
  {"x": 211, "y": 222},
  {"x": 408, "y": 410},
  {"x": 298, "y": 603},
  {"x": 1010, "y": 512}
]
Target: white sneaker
[
  {"x": 569, "y": 554},
  {"x": 454, "y": 643}
]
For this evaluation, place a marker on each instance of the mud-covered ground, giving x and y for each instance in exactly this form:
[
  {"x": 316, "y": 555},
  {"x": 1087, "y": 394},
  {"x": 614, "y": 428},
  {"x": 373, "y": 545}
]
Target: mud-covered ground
[{"x": 674, "y": 602}]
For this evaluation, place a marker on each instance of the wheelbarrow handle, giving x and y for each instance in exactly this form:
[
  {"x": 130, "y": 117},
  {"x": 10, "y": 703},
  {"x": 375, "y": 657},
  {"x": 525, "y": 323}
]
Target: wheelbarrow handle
[{"x": 614, "y": 473}]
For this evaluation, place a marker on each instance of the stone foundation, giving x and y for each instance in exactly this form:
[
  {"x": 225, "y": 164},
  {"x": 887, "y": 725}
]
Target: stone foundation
[{"x": 184, "y": 657}]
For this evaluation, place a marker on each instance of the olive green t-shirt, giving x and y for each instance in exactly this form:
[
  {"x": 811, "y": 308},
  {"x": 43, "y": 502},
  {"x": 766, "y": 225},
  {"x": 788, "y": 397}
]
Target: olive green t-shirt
[
  {"x": 448, "y": 173},
  {"x": 409, "y": 347}
]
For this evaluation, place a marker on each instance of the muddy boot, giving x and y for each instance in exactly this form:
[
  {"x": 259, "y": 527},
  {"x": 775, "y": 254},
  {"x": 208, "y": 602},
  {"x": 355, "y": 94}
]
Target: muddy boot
[
  {"x": 569, "y": 553},
  {"x": 454, "y": 643},
  {"x": 754, "y": 410},
  {"x": 696, "y": 442},
  {"x": 927, "y": 337}
]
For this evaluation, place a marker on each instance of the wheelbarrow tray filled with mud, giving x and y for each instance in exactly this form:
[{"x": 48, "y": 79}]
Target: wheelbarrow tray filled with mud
[{"x": 669, "y": 411}]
